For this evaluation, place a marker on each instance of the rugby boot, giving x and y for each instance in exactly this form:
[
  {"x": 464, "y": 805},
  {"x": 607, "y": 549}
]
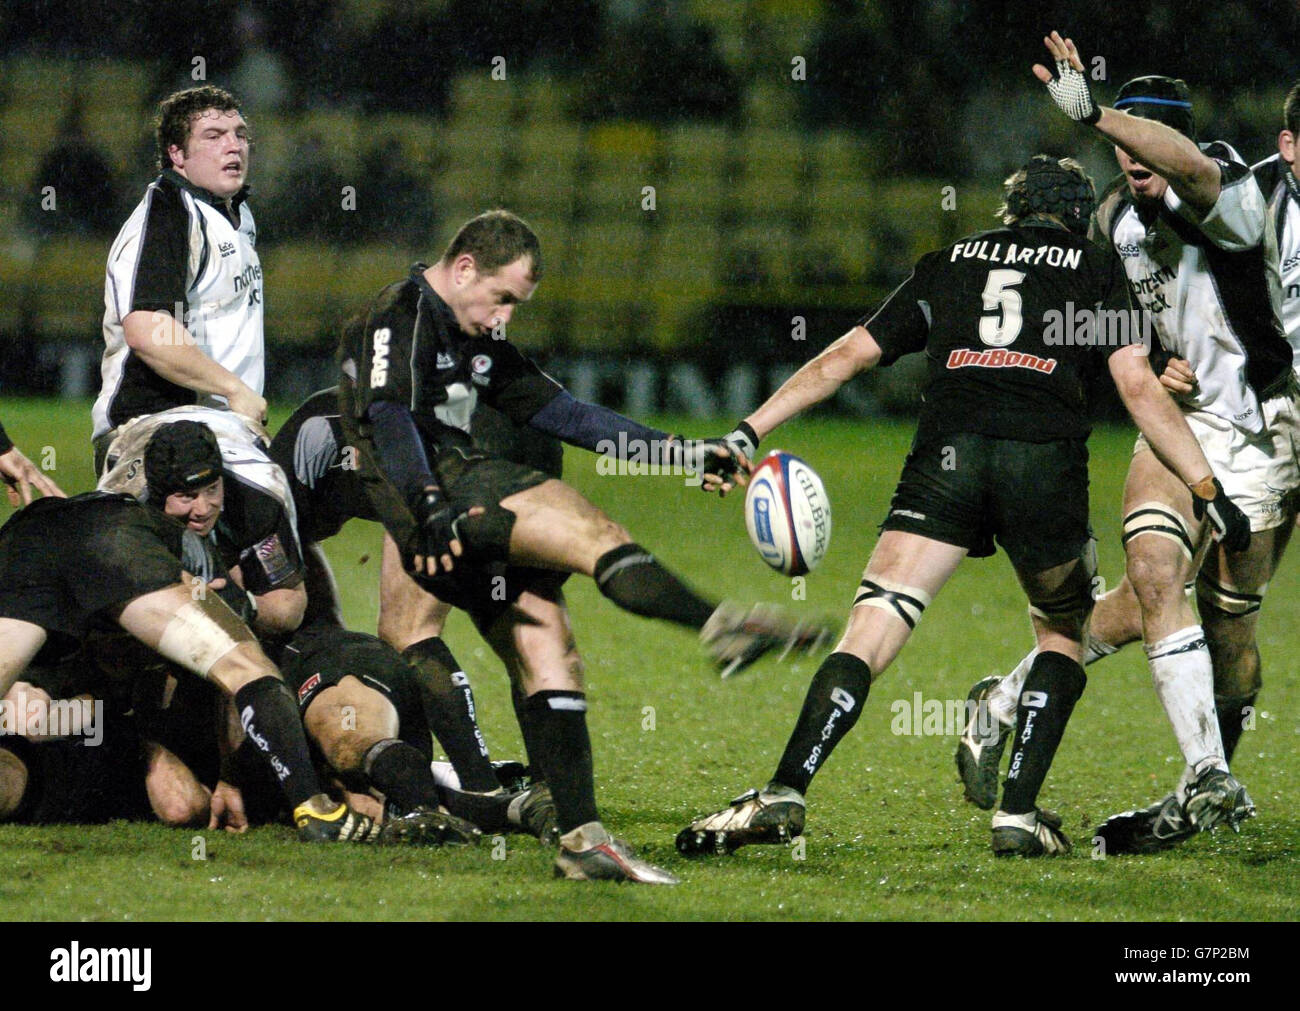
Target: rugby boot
[
  {"x": 1160, "y": 826},
  {"x": 737, "y": 634},
  {"x": 980, "y": 747},
  {"x": 773, "y": 815},
  {"x": 1215, "y": 797},
  {"x": 590, "y": 853},
  {"x": 318, "y": 820},
  {"x": 429, "y": 826},
  {"x": 1037, "y": 834},
  {"x": 533, "y": 810}
]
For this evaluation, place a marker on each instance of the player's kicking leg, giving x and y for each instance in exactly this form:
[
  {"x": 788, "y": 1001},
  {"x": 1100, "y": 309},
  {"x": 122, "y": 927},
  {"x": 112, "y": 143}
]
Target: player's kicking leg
[
  {"x": 535, "y": 641},
  {"x": 556, "y": 527},
  {"x": 906, "y": 571}
]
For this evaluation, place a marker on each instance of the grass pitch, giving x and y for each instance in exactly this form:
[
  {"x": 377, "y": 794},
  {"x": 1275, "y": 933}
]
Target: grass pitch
[{"x": 888, "y": 835}]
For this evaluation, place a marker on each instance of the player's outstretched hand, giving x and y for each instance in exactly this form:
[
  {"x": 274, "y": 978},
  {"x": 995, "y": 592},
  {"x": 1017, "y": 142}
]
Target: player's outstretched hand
[
  {"x": 20, "y": 476},
  {"x": 1230, "y": 525},
  {"x": 437, "y": 538},
  {"x": 227, "y": 809},
  {"x": 1068, "y": 86},
  {"x": 721, "y": 463},
  {"x": 1178, "y": 376},
  {"x": 251, "y": 406}
]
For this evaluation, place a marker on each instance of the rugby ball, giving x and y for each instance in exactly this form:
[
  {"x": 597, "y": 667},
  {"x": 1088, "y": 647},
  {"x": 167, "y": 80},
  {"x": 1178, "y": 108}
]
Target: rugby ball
[{"x": 788, "y": 514}]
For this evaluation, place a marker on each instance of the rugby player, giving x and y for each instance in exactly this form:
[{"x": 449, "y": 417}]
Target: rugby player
[
  {"x": 1198, "y": 246},
  {"x": 20, "y": 475},
  {"x": 183, "y": 290},
  {"x": 68, "y": 566},
  {"x": 327, "y": 492},
  {"x": 433, "y": 346},
  {"x": 255, "y": 534},
  {"x": 999, "y": 453}
]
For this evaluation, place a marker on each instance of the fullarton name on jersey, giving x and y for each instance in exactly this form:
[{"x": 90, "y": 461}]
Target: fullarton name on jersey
[{"x": 1056, "y": 256}]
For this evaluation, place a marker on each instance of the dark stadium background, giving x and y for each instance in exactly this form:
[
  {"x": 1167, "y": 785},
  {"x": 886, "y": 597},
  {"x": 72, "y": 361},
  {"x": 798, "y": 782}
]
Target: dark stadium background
[{"x": 802, "y": 154}]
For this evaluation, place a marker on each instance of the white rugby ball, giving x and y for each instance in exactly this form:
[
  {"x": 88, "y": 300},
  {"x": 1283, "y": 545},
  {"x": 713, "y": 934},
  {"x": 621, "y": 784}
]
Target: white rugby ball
[{"x": 788, "y": 514}]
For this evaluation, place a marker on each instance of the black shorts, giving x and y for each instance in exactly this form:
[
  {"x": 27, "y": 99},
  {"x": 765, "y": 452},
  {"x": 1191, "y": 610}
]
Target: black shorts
[
  {"x": 482, "y": 584},
  {"x": 75, "y": 782},
  {"x": 323, "y": 655},
  {"x": 966, "y": 489},
  {"x": 66, "y": 562}
]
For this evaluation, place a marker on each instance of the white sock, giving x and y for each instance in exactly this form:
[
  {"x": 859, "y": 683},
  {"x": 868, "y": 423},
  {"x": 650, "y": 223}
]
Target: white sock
[
  {"x": 1184, "y": 680},
  {"x": 1004, "y": 699}
]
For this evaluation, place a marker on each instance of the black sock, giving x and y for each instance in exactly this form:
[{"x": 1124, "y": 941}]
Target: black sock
[
  {"x": 632, "y": 578},
  {"x": 528, "y": 730},
  {"x": 448, "y": 703},
  {"x": 401, "y": 774},
  {"x": 831, "y": 707},
  {"x": 1232, "y": 718},
  {"x": 565, "y": 752},
  {"x": 268, "y": 712},
  {"x": 1053, "y": 686},
  {"x": 490, "y": 813}
]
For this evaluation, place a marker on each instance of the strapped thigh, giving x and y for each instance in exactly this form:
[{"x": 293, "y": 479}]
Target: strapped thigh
[
  {"x": 1226, "y": 597},
  {"x": 904, "y": 602},
  {"x": 1073, "y": 600},
  {"x": 1161, "y": 520}
]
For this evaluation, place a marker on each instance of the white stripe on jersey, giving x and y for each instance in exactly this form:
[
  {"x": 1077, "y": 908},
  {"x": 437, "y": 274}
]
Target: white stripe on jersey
[
  {"x": 1172, "y": 280},
  {"x": 224, "y": 300},
  {"x": 1284, "y": 211}
]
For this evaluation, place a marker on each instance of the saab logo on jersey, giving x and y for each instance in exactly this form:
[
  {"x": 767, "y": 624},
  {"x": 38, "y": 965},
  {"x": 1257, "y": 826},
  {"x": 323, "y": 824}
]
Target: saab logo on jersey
[
  {"x": 445, "y": 361},
  {"x": 226, "y": 248},
  {"x": 307, "y": 687},
  {"x": 999, "y": 359},
  {"x": 480, "y": 366},
  {"x": 1033, "y": 700},
  {"x": 379, "y": 361},
  {"x": 273, "y": 558}
]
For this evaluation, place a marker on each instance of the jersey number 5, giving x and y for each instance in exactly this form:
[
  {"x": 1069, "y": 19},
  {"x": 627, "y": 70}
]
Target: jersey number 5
[{"x": 1000, "y": 328}]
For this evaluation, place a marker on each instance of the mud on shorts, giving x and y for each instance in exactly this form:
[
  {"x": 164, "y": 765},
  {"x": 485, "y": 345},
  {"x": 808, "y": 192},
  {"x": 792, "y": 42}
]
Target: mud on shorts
[
  {"x": 970, "y": 490},
  {"x": 1260, "y": 472}
]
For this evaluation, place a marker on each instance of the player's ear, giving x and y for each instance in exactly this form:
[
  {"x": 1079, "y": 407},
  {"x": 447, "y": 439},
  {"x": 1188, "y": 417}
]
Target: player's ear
[
  {"x": 465, "y": 269},
  {"x": 1286, "y": 145},
  {"x": 177, "y": 155}
]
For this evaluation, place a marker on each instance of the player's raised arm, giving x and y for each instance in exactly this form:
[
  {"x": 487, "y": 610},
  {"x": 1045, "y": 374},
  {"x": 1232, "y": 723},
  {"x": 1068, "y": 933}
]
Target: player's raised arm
[{"x": 1194, "y": 176}]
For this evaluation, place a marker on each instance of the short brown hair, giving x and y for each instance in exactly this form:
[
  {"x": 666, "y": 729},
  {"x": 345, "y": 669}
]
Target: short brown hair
[
  {"x": 176, "y": 115},
  {"x": 1291, "y": 109},
  {"x": 495, "y": 239}
]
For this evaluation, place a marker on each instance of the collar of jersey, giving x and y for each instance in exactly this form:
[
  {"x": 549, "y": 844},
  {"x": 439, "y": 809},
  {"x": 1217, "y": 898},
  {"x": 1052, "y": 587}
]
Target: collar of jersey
[
  {"x": 207, "y": 196},
  {"x": 435, "y": 300}
]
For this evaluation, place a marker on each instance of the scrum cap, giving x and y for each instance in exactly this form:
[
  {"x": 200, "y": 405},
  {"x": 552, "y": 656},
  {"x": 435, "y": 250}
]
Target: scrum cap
[
  {"x": 1047, "y": 185},
  {"x": 182, "y": 456},
  {"x": 1164, "y": 99}
]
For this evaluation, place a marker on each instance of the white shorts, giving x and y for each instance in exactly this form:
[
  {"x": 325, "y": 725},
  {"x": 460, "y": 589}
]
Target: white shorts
[{"x": 1260, "y": 473}]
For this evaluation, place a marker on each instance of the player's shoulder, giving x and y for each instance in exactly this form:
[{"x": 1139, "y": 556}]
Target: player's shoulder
[
  {"x": 1275, "y": 178},
  {"x": 1232, "y": 165},
  {"x": 399, "y": 299}
]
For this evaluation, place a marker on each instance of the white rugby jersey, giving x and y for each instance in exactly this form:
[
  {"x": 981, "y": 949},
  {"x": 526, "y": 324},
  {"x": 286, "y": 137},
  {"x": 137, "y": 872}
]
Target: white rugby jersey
[
  {"x": 179, "y": 253},
  {"x": 1210, "y": 286},
  {"x": 259, "y": 520},
  {"x": 1282, "y": 191}
]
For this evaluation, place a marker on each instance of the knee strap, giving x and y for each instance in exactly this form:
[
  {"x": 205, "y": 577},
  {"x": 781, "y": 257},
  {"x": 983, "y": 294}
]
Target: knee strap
[
  {"x": 1073, "y": 599},
  {"x": 1159, "y": 519},
  {"x": 905, "y": 602},
  {"x": 1226, "y": 597}
]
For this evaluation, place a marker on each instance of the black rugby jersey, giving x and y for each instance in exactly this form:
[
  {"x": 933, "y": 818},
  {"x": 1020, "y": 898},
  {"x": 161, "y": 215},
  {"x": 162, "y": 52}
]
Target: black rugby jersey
[
  {"x": 1009, "y": 325},
  {"x": 412, "y": 352}
]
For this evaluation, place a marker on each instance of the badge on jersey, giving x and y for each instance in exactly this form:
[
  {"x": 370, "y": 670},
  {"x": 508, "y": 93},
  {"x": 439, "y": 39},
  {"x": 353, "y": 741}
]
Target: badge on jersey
[
  {"x": 480, "y": 367},
  {"x": 273, "y": 559}
]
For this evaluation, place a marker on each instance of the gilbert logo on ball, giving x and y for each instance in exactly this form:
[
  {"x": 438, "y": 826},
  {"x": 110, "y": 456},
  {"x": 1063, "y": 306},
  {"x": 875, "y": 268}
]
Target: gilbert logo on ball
[{"x": 788, "y": 514}]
